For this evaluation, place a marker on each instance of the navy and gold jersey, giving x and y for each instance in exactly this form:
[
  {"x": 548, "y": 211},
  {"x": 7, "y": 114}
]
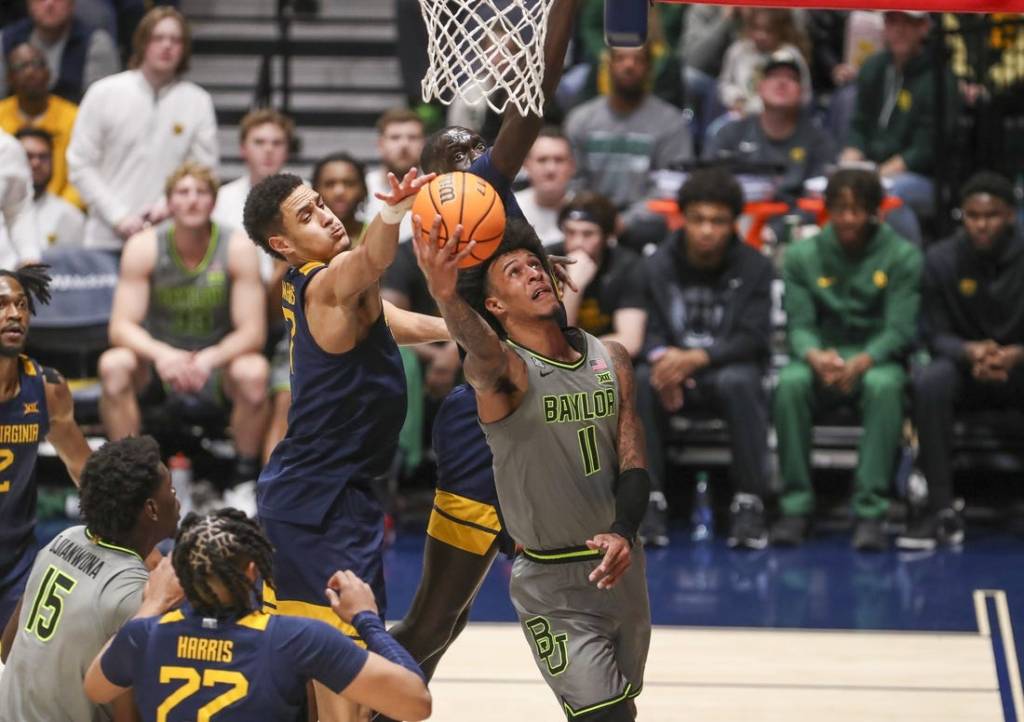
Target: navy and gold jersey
[
  {"x": 24, "y": 422},
  {"x": 347, "y": 410},
  {"x": 185, "y": 667},
  {"x": 484, "y": 167}
]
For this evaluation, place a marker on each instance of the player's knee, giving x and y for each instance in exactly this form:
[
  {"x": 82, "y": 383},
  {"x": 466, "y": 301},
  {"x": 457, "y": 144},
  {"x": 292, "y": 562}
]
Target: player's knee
[
  {"x": 935, "y": 381},
  {"x": 248, "y": 376},
  {"x": 116, "y": 368}
]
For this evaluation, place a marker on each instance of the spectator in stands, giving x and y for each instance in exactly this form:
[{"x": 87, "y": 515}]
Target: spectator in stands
[
  {"x": 550, "y": 168},
  {"x": 707, "y": 342},
  {"x": 265, "y": 137},
  {"x": 77, "y": 54},
  {"x": 766, "y": 31},
  {"x": 19, "y": 234},
  {"x": 610, "y": 302},
  {"x": 708, "y": 31},
  {"x": 32, "y": 106},
  {"x": 852, "y": 296},
  {"x": 782, "y": 133},
  {"x": 399, "y": 144},
  {"x": 974, "y": 321},
  {"x": 188, "y": 318},
  {"x": 620, "y": 138},
  {"x": 895, "y": 117},
  {"x": 135, "y": 128},
  {"x": 59, "y": 222}
]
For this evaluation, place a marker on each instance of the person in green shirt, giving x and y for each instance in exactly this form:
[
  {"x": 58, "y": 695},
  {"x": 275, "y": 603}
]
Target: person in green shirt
[{"x": 851, "y": 300}]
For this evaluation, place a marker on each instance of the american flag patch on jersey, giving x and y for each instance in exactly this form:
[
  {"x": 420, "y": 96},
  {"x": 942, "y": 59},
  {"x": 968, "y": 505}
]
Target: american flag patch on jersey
[{"x": 598, "y": 364}]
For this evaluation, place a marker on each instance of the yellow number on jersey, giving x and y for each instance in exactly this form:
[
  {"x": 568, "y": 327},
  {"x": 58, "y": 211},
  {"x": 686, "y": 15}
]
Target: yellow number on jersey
[
  {"x": 239, "y": 689},
  {"x": 6, "y": 459},
  {"x": 289, "y": 316}
]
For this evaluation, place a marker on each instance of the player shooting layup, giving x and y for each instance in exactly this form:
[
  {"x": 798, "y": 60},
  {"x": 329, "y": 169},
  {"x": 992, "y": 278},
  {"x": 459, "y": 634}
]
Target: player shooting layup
[{"x": 557, "y": 407}]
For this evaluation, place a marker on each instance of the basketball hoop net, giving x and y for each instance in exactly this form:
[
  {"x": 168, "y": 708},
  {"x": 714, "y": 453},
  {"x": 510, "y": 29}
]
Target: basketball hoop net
[{"x": 486, "y": 51}]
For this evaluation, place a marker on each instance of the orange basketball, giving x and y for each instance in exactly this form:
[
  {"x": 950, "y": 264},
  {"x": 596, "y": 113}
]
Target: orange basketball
[{"x": 467, "y": 199}]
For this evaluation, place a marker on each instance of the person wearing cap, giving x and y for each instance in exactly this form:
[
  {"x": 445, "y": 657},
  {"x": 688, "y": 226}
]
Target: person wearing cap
[
  {"x": 783, "y": 133},
  {"x": 974, "y": 326},
  {"x": 707, "y": 346},
  {"x": 895, "y": 117}
]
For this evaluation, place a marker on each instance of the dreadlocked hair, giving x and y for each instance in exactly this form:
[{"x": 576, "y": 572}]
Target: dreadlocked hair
[
  {"x": 473, "y": 286},
  {"x": 34, "y": 278},
  {"x": 220, "y": 545}
]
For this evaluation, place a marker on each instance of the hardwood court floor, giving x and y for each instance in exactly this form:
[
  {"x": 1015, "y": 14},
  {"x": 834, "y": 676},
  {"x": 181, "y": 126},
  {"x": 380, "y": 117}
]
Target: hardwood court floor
[{"x": 742, "y": 675}]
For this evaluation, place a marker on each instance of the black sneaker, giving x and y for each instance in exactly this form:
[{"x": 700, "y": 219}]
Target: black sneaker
[
  {"x": 654, "y": 528},
  {"x": 790, "y": 531},
  {"x": 747, "y": 530},
  {"x": 869, "y": 536},
  {"x": 944, "y": 527}
]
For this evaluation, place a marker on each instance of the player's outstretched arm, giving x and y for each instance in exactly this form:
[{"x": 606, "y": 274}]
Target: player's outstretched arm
[
  {"x": 632, "y": 488},
  {"x": 518, "y": 132},
  {"x": 351, "y": 273},
  {"x": 390, "y": 681},
  {"x": 410, "y": 328},
  {"x": 9, "y": 632},
  {"x": 64, "y": 434},
  {"x": 498, "y": 376}
]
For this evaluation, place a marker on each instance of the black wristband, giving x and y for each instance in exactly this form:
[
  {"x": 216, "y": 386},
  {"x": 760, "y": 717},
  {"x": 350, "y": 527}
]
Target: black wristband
[{"x": 632, "y": 491}]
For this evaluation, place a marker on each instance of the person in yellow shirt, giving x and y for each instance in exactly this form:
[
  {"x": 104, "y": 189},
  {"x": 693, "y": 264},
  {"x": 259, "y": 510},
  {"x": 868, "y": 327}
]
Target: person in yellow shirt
[{"x": 32, "y": 105}]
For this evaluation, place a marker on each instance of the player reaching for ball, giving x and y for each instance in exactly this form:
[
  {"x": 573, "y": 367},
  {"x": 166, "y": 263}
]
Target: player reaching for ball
[
  {"x": 557, "y": 408},
  {"x": 464, "y": 533},
  {"x": 315, "y": 496}
]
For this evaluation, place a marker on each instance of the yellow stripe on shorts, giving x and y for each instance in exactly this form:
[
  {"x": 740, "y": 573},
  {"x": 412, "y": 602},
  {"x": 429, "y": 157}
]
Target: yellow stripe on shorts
[
  {"x": 463, "y": 523},
  {"x": 323, "y": 613}
]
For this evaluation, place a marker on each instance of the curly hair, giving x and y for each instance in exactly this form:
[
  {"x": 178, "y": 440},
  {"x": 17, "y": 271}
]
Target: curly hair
[
  {"x": 473, "y": 285},
  {"x": 989, "y": 183},
  {"x": 219, "y": 546},
  {"x": 712, "y": 185},
  {"x": 262, "y": 214},
  {"x": 864, "y": 185},
  {"x": 35, "y": 279},
  {"x": 116, "y": 482}
]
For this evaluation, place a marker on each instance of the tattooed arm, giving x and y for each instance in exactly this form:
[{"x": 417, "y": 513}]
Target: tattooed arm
[
  {"x": 632, "y": 450},
  {"x": 496, "y": 373}
]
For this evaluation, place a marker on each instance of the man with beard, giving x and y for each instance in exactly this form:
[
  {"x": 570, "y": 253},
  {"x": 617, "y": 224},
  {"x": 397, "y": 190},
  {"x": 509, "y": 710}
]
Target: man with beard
[
  {"x": 35, "y": 404},
  {"x": 974, "y": 324},
  {"x": 620, "y": 138}
]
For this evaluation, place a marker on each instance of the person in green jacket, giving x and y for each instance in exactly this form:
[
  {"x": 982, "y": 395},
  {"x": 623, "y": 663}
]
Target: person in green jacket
[
  {"x": 896, "y": 116},
  {"x": 851, "y": 300}
]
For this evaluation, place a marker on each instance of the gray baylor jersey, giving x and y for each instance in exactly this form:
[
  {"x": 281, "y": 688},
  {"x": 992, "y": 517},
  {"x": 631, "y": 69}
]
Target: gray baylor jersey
[
  {"x": 556, "y": 456},
  {"x": 80, "y": 592}
]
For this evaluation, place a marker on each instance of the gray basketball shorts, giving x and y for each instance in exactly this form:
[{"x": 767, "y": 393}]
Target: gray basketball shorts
[{"x": 590, "y": 644}]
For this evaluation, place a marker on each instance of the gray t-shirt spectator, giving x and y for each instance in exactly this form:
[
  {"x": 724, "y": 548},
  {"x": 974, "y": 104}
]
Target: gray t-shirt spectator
[
  {"x": 616, "y": 153},
  {"x": 805, "y": 153},
  {"x": 80, "y": 592}
]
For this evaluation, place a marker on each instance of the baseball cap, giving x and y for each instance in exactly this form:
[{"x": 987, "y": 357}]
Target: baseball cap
[{"x": 782, "y": 59}]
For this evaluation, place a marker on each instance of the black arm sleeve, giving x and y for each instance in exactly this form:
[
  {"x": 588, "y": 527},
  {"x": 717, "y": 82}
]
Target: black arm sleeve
[
  {"x": 632, "y": 489},
  {"x": 377, "y": 639}
]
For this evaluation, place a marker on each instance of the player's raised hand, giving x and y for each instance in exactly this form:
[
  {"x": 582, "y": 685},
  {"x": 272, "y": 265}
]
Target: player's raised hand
[
  {"x": 439, "y": 262},
  {"x": 162, "y": 590},
  {"x": 615, "y": 562},
  {"x": 409, "y": 186},
  {"x": 349, "y": 595},
  {"x": 560, "y": 268}
]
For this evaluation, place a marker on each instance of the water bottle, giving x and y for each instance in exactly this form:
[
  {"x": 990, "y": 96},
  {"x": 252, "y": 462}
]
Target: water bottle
[
  {"x": 181, "y": 480},
  {"x": 702, "y": 519}
]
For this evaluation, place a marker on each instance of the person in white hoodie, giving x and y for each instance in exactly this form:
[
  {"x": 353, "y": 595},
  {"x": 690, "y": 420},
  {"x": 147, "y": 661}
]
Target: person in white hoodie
[
  {"x": 134, "y": 128},
  {"x": 19, "y": 235}
]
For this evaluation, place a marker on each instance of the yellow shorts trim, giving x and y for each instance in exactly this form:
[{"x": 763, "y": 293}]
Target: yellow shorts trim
[
  {"x": 323, "y": 613},
  {"x": 463, "y": 523}
]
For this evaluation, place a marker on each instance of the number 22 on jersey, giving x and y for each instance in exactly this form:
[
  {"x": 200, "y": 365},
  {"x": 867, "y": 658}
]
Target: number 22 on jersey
[{"x": 193, "y": 680}]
